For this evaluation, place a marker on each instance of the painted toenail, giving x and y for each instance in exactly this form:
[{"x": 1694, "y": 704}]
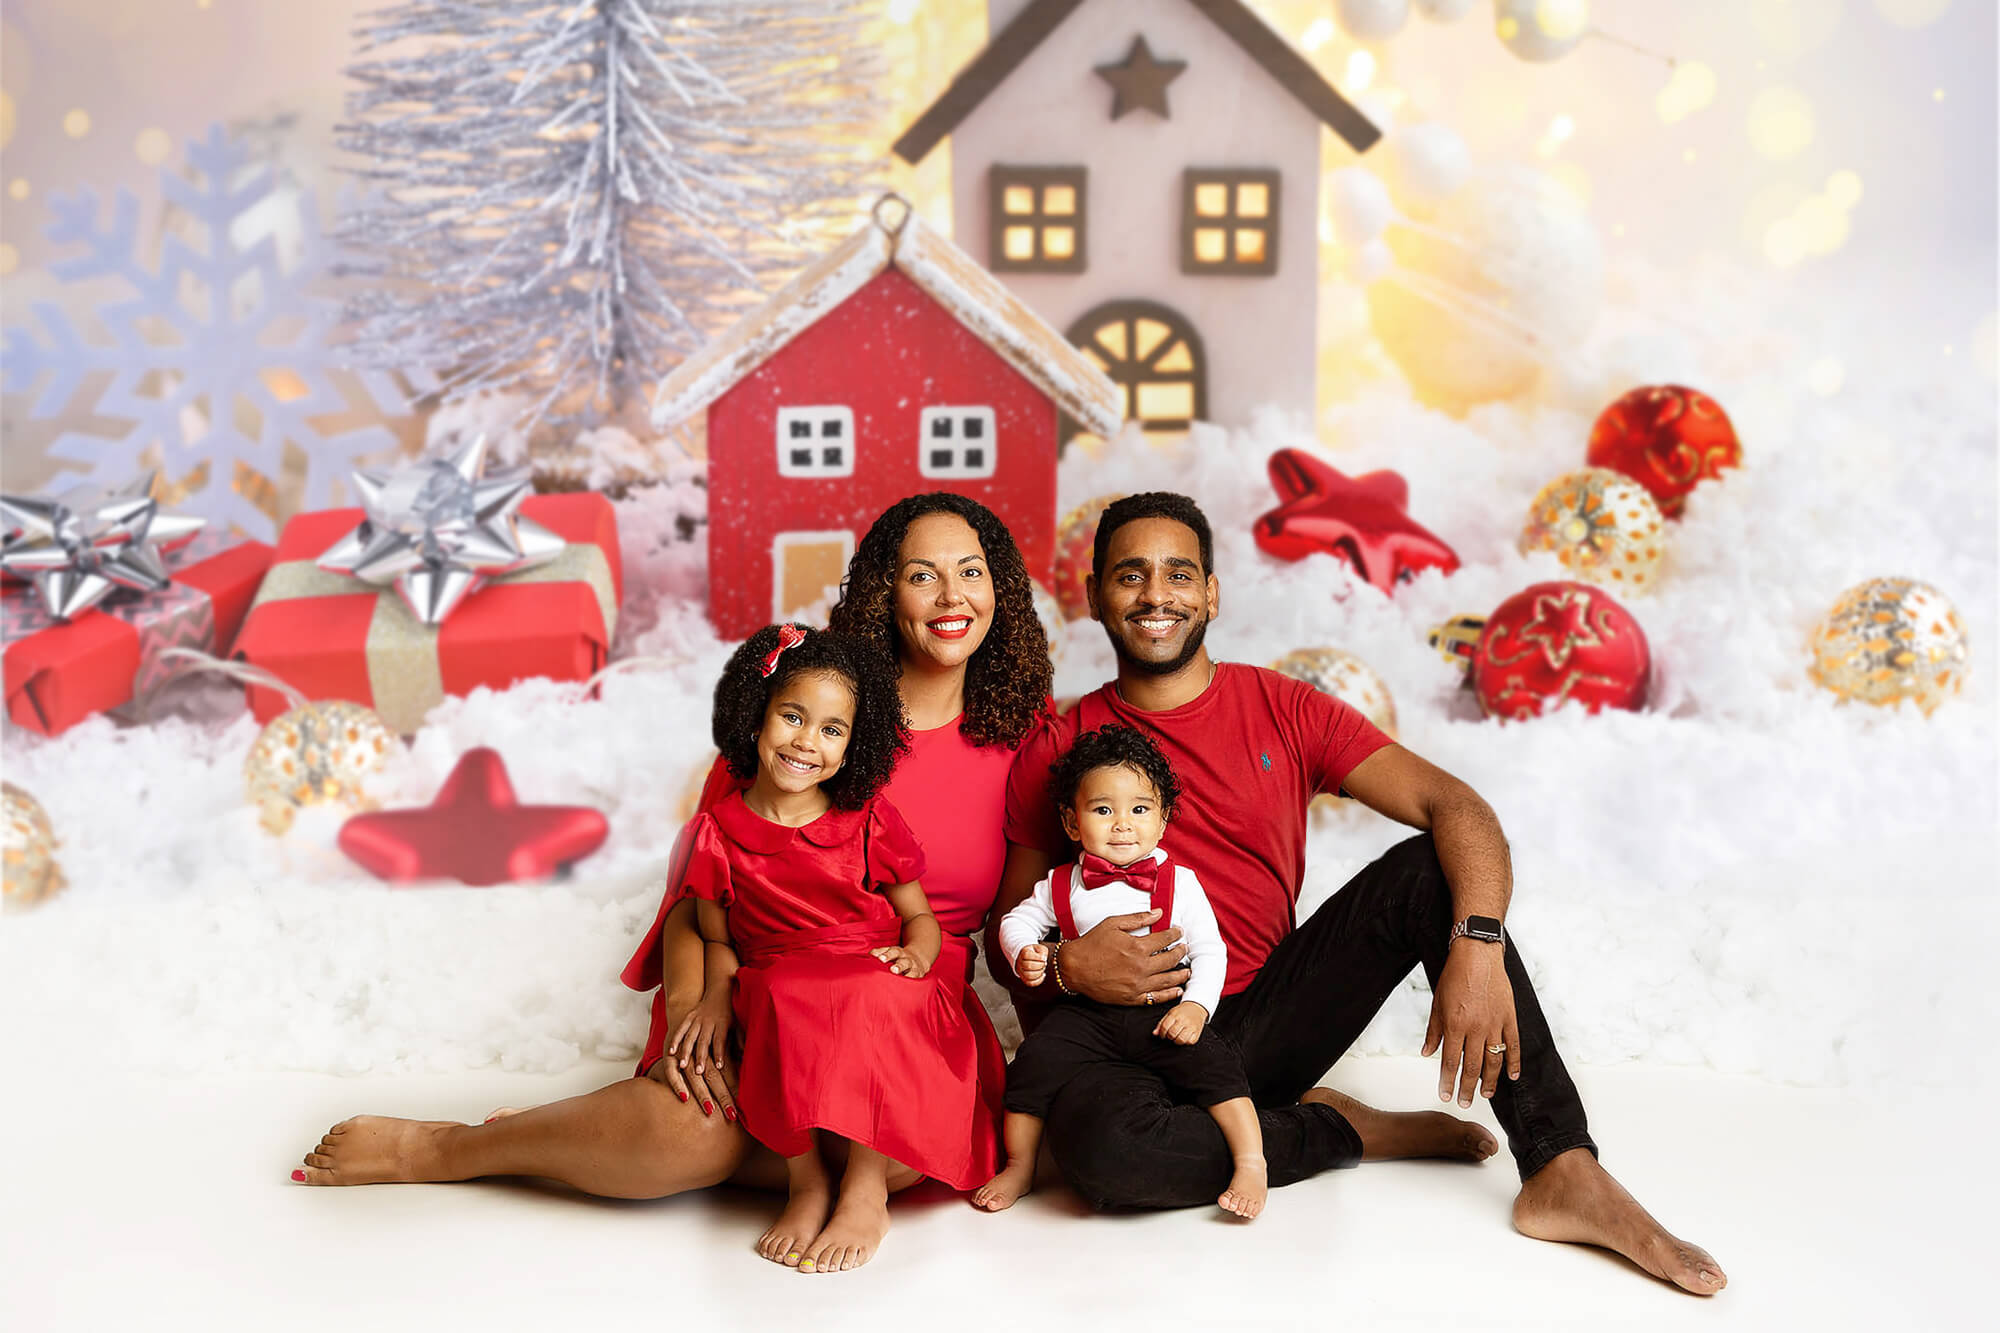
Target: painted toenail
[{"x": 299, "y": 1176}]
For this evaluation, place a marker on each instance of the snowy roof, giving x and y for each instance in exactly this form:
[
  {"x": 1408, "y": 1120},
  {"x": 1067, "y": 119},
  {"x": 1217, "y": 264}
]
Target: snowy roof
[
  {"x": 974, "y": 297},
  {"x": 1018, "y": 40}
]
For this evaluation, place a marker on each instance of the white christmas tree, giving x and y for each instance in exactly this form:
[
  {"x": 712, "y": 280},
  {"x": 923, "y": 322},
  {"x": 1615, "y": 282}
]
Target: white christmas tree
[{"x": 565, "y": 198}]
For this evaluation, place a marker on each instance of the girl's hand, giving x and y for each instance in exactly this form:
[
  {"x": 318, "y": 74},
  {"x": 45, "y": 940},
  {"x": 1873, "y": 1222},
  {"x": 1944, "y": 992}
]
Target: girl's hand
[
  {"x": 699, "y": 1052},
  {"x": 903, "y": 962},
  {"x": 1182, "y": 1024},
  {"x": 1031, "y": 965}
]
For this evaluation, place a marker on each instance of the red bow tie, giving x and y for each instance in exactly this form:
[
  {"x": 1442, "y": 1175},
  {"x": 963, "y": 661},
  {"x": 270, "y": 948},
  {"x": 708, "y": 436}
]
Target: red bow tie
[{"x": 1141, "y": 874}]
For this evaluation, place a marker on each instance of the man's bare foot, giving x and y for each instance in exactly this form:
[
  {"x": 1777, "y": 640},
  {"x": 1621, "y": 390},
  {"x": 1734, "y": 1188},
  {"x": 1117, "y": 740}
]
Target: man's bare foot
[
  {"x": 1247, "y": 1188},
  {"x": 1573, "y": 1199},
  {"x": 374, "y": 1149},
  {"x": 804, "y": 1216},
  {"x": 852, "y": 1235},
  {"x": 1387, "y": 1134},
  {"x": 1014, "y": 1180}
]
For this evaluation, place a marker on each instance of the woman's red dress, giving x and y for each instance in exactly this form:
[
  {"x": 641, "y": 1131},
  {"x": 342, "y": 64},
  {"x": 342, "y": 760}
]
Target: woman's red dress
[{"x": 832, "y": 1039}]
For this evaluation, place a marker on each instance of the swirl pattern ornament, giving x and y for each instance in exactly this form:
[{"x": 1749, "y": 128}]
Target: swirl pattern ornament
[
  {"x": 1892, "y": 639},
  {"x": 1668, "y": 438},
  {"x": 1556, "y": 642}
]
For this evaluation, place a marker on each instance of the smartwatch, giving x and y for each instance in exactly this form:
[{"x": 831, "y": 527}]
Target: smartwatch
[{"x": 1485, "y": 928}]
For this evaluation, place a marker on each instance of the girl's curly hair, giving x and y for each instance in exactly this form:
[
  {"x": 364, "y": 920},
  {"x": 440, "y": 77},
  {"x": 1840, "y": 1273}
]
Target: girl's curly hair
[
  {"x": 873, "y": 746},
  {"x": 1114, "y": 746},
  {"x": 1007, "y": 680}
]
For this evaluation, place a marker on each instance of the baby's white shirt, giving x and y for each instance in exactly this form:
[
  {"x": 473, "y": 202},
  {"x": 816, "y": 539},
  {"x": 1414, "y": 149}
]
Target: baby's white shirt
[{"x": 1207, "y": 957}]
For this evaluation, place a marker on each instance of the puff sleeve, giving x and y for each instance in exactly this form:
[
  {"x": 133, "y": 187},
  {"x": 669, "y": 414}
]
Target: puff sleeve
[
  {"x": 707, "y": 872},
  {"x": 894, "y": 854}
]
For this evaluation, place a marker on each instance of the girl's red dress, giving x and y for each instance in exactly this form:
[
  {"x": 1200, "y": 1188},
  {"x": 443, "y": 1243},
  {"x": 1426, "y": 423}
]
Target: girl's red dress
[{"x": 832, "y": 1039}]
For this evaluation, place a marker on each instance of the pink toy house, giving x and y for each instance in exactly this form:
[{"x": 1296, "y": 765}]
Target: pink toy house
[{"x": 893, "y": 365}]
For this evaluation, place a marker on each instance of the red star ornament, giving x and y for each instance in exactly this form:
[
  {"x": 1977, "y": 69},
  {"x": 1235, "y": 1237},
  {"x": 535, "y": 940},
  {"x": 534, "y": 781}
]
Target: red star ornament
[
  {"x": 1554, "y": 642},
  {"x": 1363, "y": 520},
  {"x": 474, "y": 831}
]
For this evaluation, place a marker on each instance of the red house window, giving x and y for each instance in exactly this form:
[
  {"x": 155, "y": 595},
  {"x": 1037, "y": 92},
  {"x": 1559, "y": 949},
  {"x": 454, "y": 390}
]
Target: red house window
[
  {"x": 956, "y": 442},
  {"x": 815, "y": 441}
]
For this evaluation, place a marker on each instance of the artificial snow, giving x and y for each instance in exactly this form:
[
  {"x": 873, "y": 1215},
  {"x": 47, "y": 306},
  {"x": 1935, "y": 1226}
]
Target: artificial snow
[{"x": 1750, "y": 876}]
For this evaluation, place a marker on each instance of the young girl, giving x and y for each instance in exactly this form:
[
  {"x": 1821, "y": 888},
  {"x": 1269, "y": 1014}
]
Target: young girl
[
  {"x": 807, "y": 898},
  {"x": 1115, "y": 792}
]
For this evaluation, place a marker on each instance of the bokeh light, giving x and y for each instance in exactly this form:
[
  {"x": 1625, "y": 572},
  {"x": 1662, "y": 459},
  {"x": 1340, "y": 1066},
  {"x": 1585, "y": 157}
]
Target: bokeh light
[
  {"x": 76, "y": 123},
  {"x": 1780, "y": 123},
  {"x": 1844, "y": 189},
  {"x": 18, "y": 188},
  {"x": 1825, "y": 376},
  {"x": 154, "y": 145},
  {"x": 1690, "y": 88},
  {"x": 10, "y": 258},
  {"x": 1912, "y": 13},
  {"x": 6, "y": 119}
]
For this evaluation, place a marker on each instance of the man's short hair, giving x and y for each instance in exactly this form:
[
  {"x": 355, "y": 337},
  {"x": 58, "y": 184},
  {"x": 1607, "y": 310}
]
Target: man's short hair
[{"x": 1153, "y": 504}]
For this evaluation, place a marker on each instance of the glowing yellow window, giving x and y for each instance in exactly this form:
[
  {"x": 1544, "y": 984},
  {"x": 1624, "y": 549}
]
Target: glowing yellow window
[
  {"x": 1211, "y": 200},
  {"x": 1211, "y": 245},
  {"x": 1113, "y": 338},
  {"x": 1249, "y": 246},
  {"x": 1058, "y": 242},
  {"x": 1150, "y": 334},
  {"x": 1020, "y": 200},
  {"x": 1059, "y": 201},
  {"x": 1166, "y": 402},
  {"x": 1253, "y": 200},
  {"x": 1020, "y": 242},
  {"x": 1177, "y": 359}
]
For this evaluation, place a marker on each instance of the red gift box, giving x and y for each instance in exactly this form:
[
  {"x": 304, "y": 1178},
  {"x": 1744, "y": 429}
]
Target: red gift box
[
  {"x": 331, "y": 636},
  {"x": 60, "y": 673}
]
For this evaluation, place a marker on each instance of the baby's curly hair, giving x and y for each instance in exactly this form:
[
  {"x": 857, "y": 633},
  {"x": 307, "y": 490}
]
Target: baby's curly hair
[
  {"x": 1113, "y": 746},
  {"x": 1007, "y": 681},
  {"x": 878, "y": 739}
]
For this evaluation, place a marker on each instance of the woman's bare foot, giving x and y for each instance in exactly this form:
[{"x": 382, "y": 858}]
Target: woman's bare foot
[
  {"x": 1247, "y": 1188},
  {"x": 1387, "y": 1134},
  {"x": 1573, "y": 1199},
  {"x": 852, "y": 1234},
  {"x": 1014, "y": 1180},
  {"x": 374, "y": 1149},
  {"x": 502, "y": 1112},
  {"x": 805, "y": 1211}
]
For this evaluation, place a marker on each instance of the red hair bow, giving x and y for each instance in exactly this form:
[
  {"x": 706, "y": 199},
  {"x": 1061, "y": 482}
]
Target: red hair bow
[{"x": 789, "y": 636}]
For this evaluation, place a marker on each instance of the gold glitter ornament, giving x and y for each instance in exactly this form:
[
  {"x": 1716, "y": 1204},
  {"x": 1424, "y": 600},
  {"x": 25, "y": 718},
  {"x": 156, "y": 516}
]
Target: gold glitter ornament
[
  {"x": 317, "y": 752},
  {"x": 1603, "y": 526},
  {"x": 1345, "y": 677},
  {"x": 1887, "y": 640},
  {"x": 31, "y": 874}
]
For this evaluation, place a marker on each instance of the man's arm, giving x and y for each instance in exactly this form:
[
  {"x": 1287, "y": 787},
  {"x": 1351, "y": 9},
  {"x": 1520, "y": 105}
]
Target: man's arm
[{"x": 1472, "y": 1003}]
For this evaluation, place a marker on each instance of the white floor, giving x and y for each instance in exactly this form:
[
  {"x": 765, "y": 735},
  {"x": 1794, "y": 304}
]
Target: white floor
[{"x": 164, "y": 1204}]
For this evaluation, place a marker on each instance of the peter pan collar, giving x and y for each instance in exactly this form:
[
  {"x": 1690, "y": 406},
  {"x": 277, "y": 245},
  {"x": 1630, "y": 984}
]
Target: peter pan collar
[{"x": 751, "y": 831}]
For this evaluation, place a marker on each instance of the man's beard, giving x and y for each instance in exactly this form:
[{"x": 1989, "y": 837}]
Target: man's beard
[{"x": 1166, "y": 668}]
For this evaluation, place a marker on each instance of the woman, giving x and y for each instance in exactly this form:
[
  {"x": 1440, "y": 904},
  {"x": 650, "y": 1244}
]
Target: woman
[{"x": 938, "y": 580}]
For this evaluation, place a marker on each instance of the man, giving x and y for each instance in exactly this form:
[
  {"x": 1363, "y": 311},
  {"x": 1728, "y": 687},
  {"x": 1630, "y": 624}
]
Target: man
[{"x": 1251, "y": 748}]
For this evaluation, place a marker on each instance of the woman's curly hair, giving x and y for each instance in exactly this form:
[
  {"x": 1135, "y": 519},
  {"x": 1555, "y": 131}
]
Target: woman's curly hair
[
  {"x": 873, "y": 746},
  {"x": 1113, "y": 746},
  {"x": 1007, "y": 680}
]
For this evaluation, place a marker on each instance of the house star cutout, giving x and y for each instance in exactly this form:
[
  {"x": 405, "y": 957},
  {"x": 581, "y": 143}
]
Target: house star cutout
[{"x": 1141, "y": 82}]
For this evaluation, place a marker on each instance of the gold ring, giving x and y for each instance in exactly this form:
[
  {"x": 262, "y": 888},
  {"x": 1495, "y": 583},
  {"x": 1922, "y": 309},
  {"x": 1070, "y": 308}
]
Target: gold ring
[
  {"x": 1149, "y": 997},
  {"x": 1501, "y": 1049}
]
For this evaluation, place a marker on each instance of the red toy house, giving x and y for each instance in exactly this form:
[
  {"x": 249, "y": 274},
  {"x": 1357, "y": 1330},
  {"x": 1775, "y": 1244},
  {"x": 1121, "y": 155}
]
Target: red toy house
[{"x": 893, "y": 365}]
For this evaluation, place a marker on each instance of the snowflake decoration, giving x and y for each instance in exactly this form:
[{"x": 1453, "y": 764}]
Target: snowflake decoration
[{"x": 229, "y": 388}]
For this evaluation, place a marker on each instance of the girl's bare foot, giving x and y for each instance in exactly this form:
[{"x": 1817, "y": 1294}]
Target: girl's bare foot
[
  {"x": 805, "y": 1212},
  {"x": 1387, "y": 1134},
  {"x": 1014, "y": 1180},
  {"x": 1574, "y": 1199},
  {"x": 1247, "y": 1188},
  {"x": 374, "y": 1149},
  {"x": 852, "y": 1234}
]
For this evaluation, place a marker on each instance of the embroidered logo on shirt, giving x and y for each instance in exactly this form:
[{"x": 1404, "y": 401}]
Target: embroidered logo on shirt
[{"x": 1266, "y": 757}]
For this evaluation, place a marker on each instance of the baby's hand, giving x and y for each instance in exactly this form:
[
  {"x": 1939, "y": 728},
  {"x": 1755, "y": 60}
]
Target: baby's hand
[
  {"x": 1182, "y": 1023},
  {"x": 1032, "y": 964},
  {"x": 901, "y": 961}
]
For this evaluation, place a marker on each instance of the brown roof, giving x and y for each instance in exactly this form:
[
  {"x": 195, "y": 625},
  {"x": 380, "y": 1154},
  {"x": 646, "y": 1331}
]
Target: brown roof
[
  {"x": 947, "y": 274},
  {"x": 1001, "y": 56}
]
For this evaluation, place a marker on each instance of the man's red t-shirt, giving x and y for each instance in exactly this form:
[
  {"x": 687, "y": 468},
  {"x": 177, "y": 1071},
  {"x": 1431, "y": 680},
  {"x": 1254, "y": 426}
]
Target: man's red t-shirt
[{"x": 1250, "y": 753}]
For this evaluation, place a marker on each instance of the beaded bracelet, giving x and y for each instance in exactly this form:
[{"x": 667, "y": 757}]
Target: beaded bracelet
[{"x": 1055, "y": 967}]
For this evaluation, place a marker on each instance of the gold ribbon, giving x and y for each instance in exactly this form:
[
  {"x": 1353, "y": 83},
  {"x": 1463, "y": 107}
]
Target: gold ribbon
[{"x": 405, "y": 677}]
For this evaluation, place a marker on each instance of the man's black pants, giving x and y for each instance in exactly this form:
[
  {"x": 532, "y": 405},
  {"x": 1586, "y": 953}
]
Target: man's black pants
[{"x": 1122, "y": 1140}]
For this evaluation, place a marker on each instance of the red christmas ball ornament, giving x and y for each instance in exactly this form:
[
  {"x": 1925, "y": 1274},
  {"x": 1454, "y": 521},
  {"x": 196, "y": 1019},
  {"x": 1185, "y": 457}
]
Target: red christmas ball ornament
[
  {"x": 1556, "y": 642},
  {"x": 1667, "y": 438},
  {"x": 1076, "y": 543}
]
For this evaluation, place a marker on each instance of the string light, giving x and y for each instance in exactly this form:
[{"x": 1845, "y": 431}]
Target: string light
[{"x": 1360, "y": 72}]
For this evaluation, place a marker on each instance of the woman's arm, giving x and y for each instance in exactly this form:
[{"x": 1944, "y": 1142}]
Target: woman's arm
[
  {"x": 922, "y": 937},
  {"x": 701, "y": 1037}
]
